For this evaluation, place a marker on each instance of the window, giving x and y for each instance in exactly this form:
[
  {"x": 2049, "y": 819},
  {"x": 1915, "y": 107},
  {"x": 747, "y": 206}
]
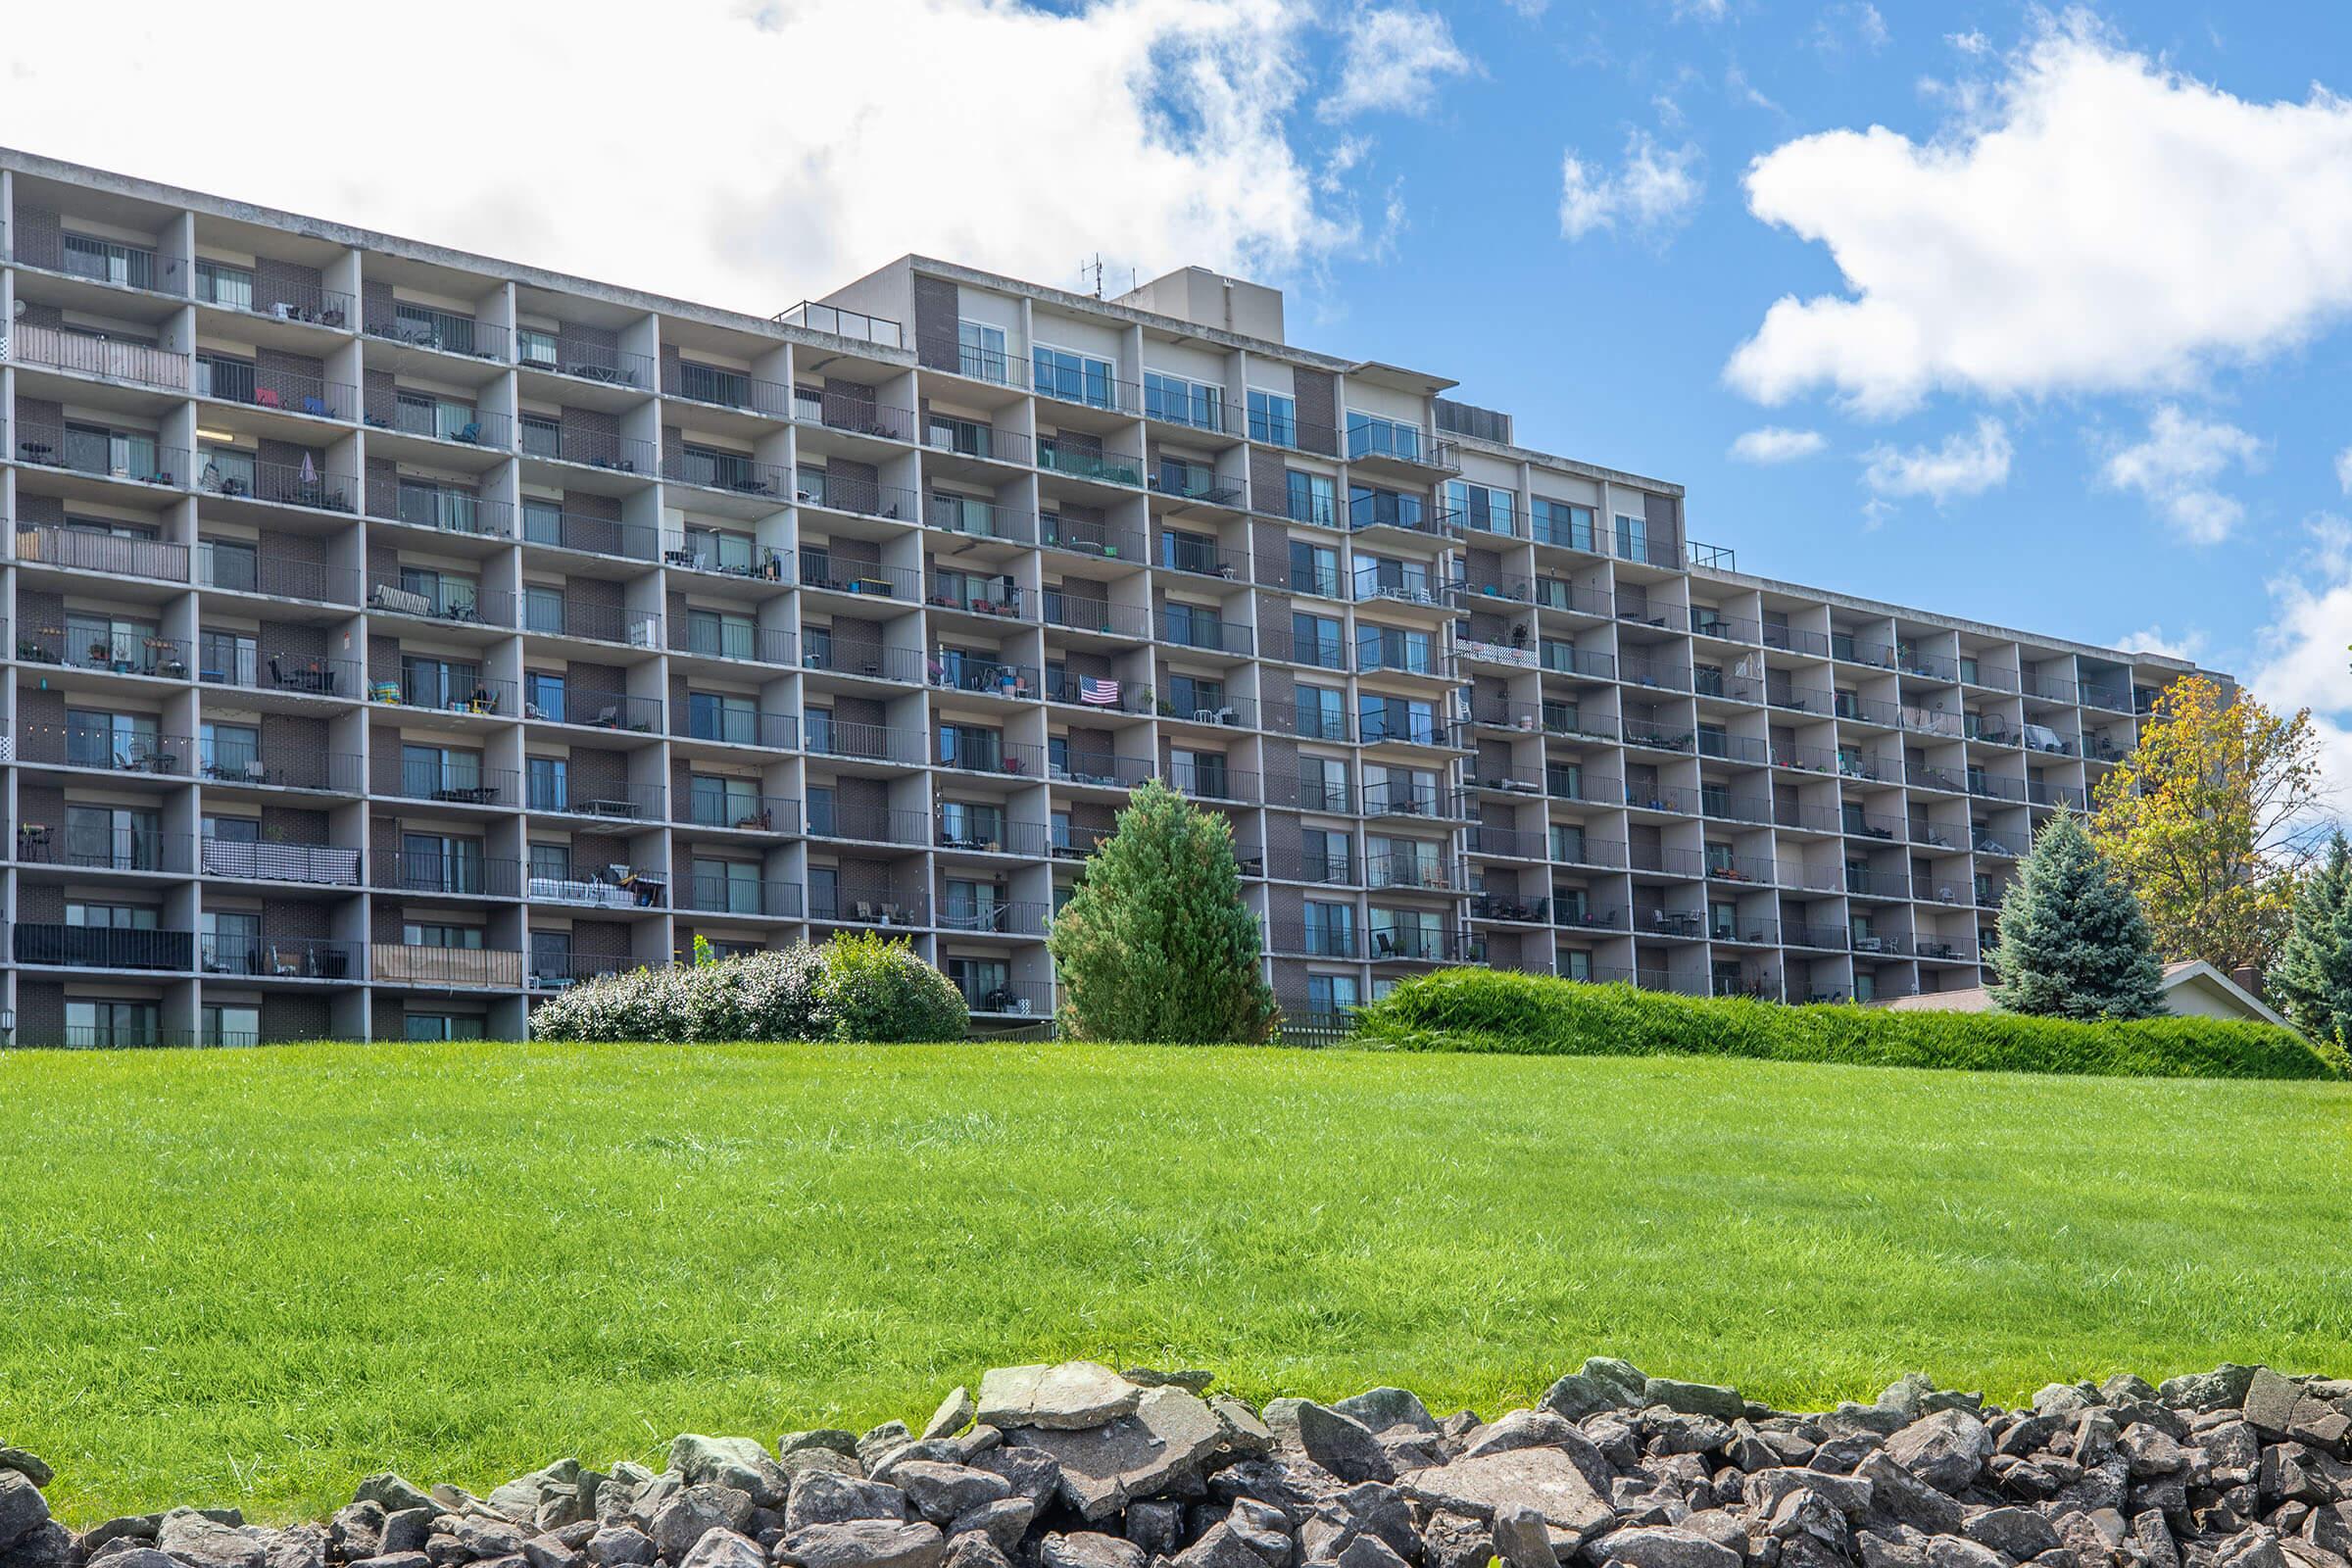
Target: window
[
  {"x": 1322, "y": 784},
  {"x": 1633, "y": 537},
  {"x": 1075, "y": 377},
  {"x": 1182, "y": 402},
  {"x": 109, "y": 261},
  {"x": 713, "y": 716},
  {"x": 119, "y": 740},
  {"x": 1575, "y": 963},
  {"x": 1314, "y": 568},
  {"x": 230, "y": 1025},
  {"x": 543, "y": 693},
  {"x": 1330, "y": 996},
  {"x": 1968, "y": 670},
  {"x": 1397, "y": 719},
  {"x": 1199, "y": 772},
  {"x": 548, "y": 779},
  {"x": 435, "y": 862},
  {"x": 1193, "y": 696},
  {"x": 1331, "y": 930},
  {"x": 1390, "y": 647},
  {"x": 536, "y": 347},
  {"x": 550, "y": 862},
  {"x": 707, "y": 383},
  {"x": 972, "y": 907},
  {"x": 1322, "y": 714},
  {"x": 430, "y": 1026},
  {"x": 1482, "y": 508},
  {"x": 980, "y": 351},
  {"x": 219, "y": 283},
  {"x": 972, "y": 825},
  {"x": 1408, "y": 934},
  {"x": 441, "y": 773},
  {"x": 227, "y": 470},
  {"x": 1194, "y": 625},
  {"x": 720, "y": 634},
  {"x": 1315, "y": 640},
  {"x": 111, "y": 1023},
  {"x": 1568, "y": 843},
  {"x": 229, "y": 564},
  {"x": 1369, "y": 508},
  {"x": 111, "y": 917},
  {"x": 1557, "y": 522},
  {"x": 969, "y": 437},
  {"x": 439, "y": 330},
  {"x": 429, "y": 414},
  {"x": 218, "y": 376},
  {"x": 433, "y": 505},
  {"x": 732, "y": 886},
  {"x": 1314, "y": 499},
  {"x": 542, "y": 435},
  {"x": 821, "y": 798},
  {"x": 986, "y": 983},
  {"x": 1371, "y": 436},
  {"x": 703, "y": 463},
  {"x": 721, "y": 549},
  {"x": 1273, "y": 418},
  {"x": 229, "y": 942},
  {"x": 230, "y": 751},
  {"x": 717, "y": 802},
  {"x": 445, "y": 593},
  {"x": 1323, "y": 855},
  {"x": 1378, "y": 576},
  {"x": 971, "y": 747},
  {"x": 542, "y": 608}
]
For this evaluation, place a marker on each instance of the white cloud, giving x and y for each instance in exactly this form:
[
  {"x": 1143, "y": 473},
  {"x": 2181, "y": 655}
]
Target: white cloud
[
  {"x": 1849, "y": 21},
  {"x": 1392, "y": 59},
  {"x": 1969, "y": 43},
  {"x": 2175, "y": 469},
  {"x": 1532, "y": 10},
  {"x": 1700, "y": 10},
  {"x": 744, "y": 155},
  {"x": 2343, "y": 469},
  {"x": 1775, "y": 443},
  {"x": 2189, "y": 644},
  {"x": 1655, "y": 188},
  {"x": 2303, "y": 658},
  {"x": 1969, "y": 463},
  {"x": 2091, "y": 221}
]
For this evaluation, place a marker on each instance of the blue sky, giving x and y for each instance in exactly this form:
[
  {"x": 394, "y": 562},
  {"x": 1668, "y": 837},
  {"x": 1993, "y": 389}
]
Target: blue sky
[{"x": 2033, "y": 314}]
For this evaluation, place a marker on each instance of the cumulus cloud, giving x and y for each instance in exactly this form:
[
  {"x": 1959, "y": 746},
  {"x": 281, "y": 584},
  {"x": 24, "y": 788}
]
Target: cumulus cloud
[
  {"x": 2343, "y": 469},
  {"x": 1392, "y": 59},
  {"x": 2089, "y": 220},
  {"x": 2189, "y": 644},
  {"x": 1968, "y": 462},
  {"x": 2303, "y": 660},
  {"x": 1775, "y": 443},
  {"x": 1654, "y": 189},
  {"x": 742, "y": 154},
  {"x": 2175, "y": 467}
]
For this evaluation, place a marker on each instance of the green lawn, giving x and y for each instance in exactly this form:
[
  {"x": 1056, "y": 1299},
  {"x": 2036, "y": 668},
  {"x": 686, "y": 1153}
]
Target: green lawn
[{"x": 252, "y": 1276}]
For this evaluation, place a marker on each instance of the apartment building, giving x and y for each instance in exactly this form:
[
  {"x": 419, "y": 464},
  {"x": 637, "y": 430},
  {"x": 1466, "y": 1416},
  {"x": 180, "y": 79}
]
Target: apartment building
[{"x": 396, "y": 635}]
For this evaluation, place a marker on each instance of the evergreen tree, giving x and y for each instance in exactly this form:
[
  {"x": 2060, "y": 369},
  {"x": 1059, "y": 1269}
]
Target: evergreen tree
[
  {"x": 2313, "y": 978},
  {"x": 2074, "y": 941},
  {"x": 1156, "y": 943}
]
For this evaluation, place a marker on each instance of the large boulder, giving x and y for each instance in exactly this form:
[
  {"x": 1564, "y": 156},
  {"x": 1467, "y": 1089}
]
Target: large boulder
[
  {"x": 694, "y": 1513},
  {"x": 1343, "y": 1444},
  {"x": 863, "y": 1543},
  {"x": 1946, "y": 1449},
  {"x": 23, "y": 1508},
  {"x": 1695, "y": 1398},
  {"x": 940, "y": 1491},
  {"x": 738, "y": 1462},
  {"x": 825, "y": 1497},
  {"x": 1169, "y": 1433},
  {"x": 1069, "y": 1397},
  {"x": 1545, "y": 1479}
]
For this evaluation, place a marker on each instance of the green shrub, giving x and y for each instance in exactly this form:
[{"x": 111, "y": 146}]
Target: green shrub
[
  {"x": 856, "y": 988},
  {"x": 877, "y": 988},
  {"x": 1491, "y": 1011}
]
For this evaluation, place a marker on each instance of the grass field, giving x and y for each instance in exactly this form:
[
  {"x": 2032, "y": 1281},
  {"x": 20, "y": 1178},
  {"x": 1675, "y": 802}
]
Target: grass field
[{"x": 252, "y": 1276}]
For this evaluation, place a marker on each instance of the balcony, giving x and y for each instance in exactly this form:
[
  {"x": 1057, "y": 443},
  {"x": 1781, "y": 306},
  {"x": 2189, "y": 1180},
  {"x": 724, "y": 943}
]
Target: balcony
[
  {"x": 867, "y": 742},
  {"x": 324, "y": 865},
  {"x": 284, "y": 768},
  {"x": 595, "y": 710},
  {"x": 1089, "y": 463},
  {"x": 597, "y": 536},
  {"x": 612, "y": 886},
  {"x": 563, "y": 442},
  {"x": 1506, "y": 844},
  {"x": 250, "y": 570},
  {"x": 1559, "y": 658},
  {"x": 1076, "y": 843},
  {"x": 468, "y": 785},
  {"x": 1796, "y": 640},
  {"x": 1099, "y": 540},
  {"x": 1382, "y": 798},
  {"x": 1177, "y": 554},
  {"x": 454, "y": 874},
  {"x": 293, "y": 959},
  {"x": 108, "y": 747},
  {"x": 1373, "y": 587},
  {"x": 1758, "y": 870},
  {"x": 428, "y": 598},
  {"x": 130, "y": 457},
  {"x": 458, "y": 512},
  {"x": 567, "y": 616},
  {"x": 1635, "y": 671},
  {"x": 988, "y": 597},
  {"x": 1017, "y": 999},
  {"x": 1098, "y": 615},
  {"x": 283, "y": 391},
  {"x": 277, "y": 299},
  {"x": 584, "y": 359},
  {"x": 877, "y": 825},
  {"x": 76, "y": 352},
  {"x": 735, "y": 726},
  {"x": 86, "y": 946},
  {"x": 1015, "y": 919},
  {"x": 1230, "y": 713},
  {"x": 765, "y": 645},
  {"x": 869, "y": 661},
  {"x": 615, "y": 803},
  {"x": 987, "y": 677},
  {"x": 994, "y": 836},
  {"x": 954, "y": 437},
  {"x": 1102, "y": 769},
  {"x": 1405, "y": 513},
  {"x": 1510, "y": 908},
  {"x": 1314, "y": 940},
  {"x": 441, "y": 331},
  {"x": 1573, "y": 784},
  {"x": 446, "y": 968},
  {"x": 115, "y": 653},
  {"x": 1423, "y": 871},
  {"x": 88, "y": 849},
  {"x": 1205, "y": 782},
  {"x": 832, "y": 320},
  {"x": 112, "y": 554},
  {"x": 435, "y": 422},
  {"x": 1418, "y": 944},
  {"x": 1391, "y": 444},
  {"x": 1376, "y": 654},
  {"x": 1311, "y": 723},
  {"x": 818, "y": 489},
  {"x": 867, "y": 906},
  {"x": 703, "y": 806},
  {"x": 1197, "y": 484},
  {"x": 1877, "y": 884},
  {"x": 820, "y": 571},
  {"x": 978, "y": 519},
  {"x": 852, "y": 416},
  {"x": 1200, "y": 632},
  {"x": 1610, "y": 854},
  {"x": 484, "y": 697},
  {"x": 985, "y": 754},
  {"x": 733, "y": 473},
  {"x": 1706, "y": 622}
]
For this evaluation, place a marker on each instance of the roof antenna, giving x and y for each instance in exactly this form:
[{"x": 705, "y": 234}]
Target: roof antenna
[{"x": 1095, "y": 268}]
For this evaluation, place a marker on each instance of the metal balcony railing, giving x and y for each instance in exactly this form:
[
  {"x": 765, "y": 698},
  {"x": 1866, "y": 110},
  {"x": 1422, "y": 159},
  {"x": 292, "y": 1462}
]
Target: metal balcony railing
[
  {"x": 484, "y": 696},
  {"x": 446, "y": 968},
  {"x": 560, "y": 971},
  {"x": 102, "y": 849},
  {"x": 869, "y": 660},
  {"x": 706, "y": 639},
  {"x": 250, "y": 570},
  {"x": 1014, "y": 918},
  {"x": 114, "y": 555},
  {"x": 563, "y": 615},
  {"x": 1567, "y": 784},
  {"x": 1319, "y": 652},
  {"x": 866, "y": 743},
  {"x": 120, "y": 455},
  {"x": 703, "y": 803},
  {"x": 1510, "y": 907},
  {"x": 1578, "y": 916},
  {"x": 435, "y": 599},
  {"x": 816, "y": 487},
  {"x": 612, "y": 802},
  {"x": 287, "y": 391},
  {"x": 977, "y": 518},
  {"x": 115, "y": 652},
  {"x": 970, "y": 439},
  {"x": 1610, "y": 854},
  {"x": 987, "y": 677},
  {"x": 92, "y": 353},
  {"x": 1382, "y": 798},
  {"x": 879, "y": 824},
  {"x": 1796, "y": 640},
  {"x": 597, "y": 710},
  {"x": 564, "y": 442},
  {"x": 1313, "y": 723},
  {"x": 985, "y": 753},
  {"x": 584, "y": 358},
  {"x": 1427, "y": 871},
  {"x": 1100, "y": 615},
  {"x": 1637, "y": 670},
  {"x": 1417, "y": 944},
  {"x": 1089, "y": 463},
  {"x": 314, "y": 865},
  {"x": 279, "y": 484},
  {"x": 105, "y": 746},
  {"x": 1202, "y": 781},
  {"x": 1561, "y": 659},
  {"x": 460, "y": 874},
  {"x": 446, "y": 332},
  {"x": 444, "y": 510},
  {"x": 280, "y": 960},
  {"x": 277, "y": 299},
  {"x": 469, "y": 784},
  {"x": 734, "y": 726},
  {"x": 1097, "y": 539},
  {"x": 1753, "y": 869},
  {"x": 737, "y": 473},
  {"x": 286, "y": 767},
  {"x": 729, "y": 389},
  {"x": 990, "y": 597},
  {"x": 820, "y": 571},
  {"x": 872, "y": 907},
  {"x": 434, "y": 421},
  {"x": 1103, "y": 768},
  {"x": 88, "y": 947},
  {"x": 879, "y": 330},
  {"x": 1022, "y": 999},
  {"x": 1314, "y": 938},
  {"x": 600, "y": 536},
  {"x": 1199, "y": 631},
  {"x": 1075, "y": 842}
]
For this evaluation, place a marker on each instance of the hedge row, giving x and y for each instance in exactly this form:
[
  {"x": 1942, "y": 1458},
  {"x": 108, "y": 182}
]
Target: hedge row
[
  {"x": 1491, "y": 1011},
  {"x": 854, "y": 988}
]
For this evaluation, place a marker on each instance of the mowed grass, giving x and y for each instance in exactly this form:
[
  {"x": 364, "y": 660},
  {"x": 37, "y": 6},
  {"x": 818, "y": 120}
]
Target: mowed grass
[{"x": 252, "y": 1276}]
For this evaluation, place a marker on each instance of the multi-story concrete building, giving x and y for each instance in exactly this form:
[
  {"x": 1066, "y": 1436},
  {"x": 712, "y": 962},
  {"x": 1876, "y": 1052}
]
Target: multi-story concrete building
[{"x": 397, "y": 634}]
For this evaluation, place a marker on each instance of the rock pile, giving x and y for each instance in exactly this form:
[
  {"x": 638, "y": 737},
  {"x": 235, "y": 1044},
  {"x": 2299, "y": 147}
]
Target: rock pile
[{"x": 1078, "y": 1466}]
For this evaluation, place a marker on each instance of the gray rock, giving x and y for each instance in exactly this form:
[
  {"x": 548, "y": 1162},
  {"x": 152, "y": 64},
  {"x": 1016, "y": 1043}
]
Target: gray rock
[
  {"x": 1958, "y": 1551},
  {"x": 831, "y": 1460},
  {"x": 406, "y": 1530},
  {"x": 393, "y": 1492},
  {"x": 296, "y": 1547},
  {"x": 1946, "y": 1449},
  {"x": 1522, "y": 1539},
  {"x": 27, "y": 1465},
  {"x": 547, "y": 1552},
  {"x": 390, "y": 1560},
  {"x": 1220, "y": 1546},
  {"x": 2281, "y": 1407},
  {"x": 940, "y": 1492},
  {"x": 620, "y": 1547},
  {"x": 822, "y": 1498},
  {"x": 48, "y": 1544},
  {"x": 2151, "y": 1451},
  {"x": 1518, "y": 1429},
  {"x": 2018, "y": 1532},
  {"x": 694, "y": 1512},
  {"x": 1576, "y": 1396},
  {"x": 830, "y": 1438},
  {"x": 1624, "y": 1380},
  {"x": 2223, "y": 1388},
  {"x": 356, "y": 1530},
  {"x": 1695, "y": 1398},
  {"x": 1087, "y": 1548},
  {"x": 1545, "y": 1479},
  {"x": 1003, "y": 1521},
  {"x": 554, "y": 1490},
  {"x": 1456, "y": 1541},
  {"x": 132, "y": 1555},
  {"x": 23, "y": 1508},
  {"x": 1343, "y": 1444},
  {"x": 1170, "y": 1433},
  {"x": 1033, "y": 1473},
  {"x": 1070, "y": 1397},
  {"x": 881, "y": 1442},
  {"x": 1263, "y": 1528},
  {"x": 487, "y": 1538},
  {"x": 1664, "y": 1548},
  {"x": 865, "y": 1544},
  {"x": 738, "y": 1462},
  {"x": 191, "y": 1538},
  {"x": 1243, "y": 1432},
  {"x": 1381, "y": 1408},
  {"x": 1155, "y": 1525},
  {"x": 725, "y": 1548},
  {"x": 1897, "y": 1494},
  {"x": 956, "y": 1412},
  {"x": 1766, "y": 1490},
  {"x": 973, "y": 1549},
  {"x": 134, "y": 1526}
]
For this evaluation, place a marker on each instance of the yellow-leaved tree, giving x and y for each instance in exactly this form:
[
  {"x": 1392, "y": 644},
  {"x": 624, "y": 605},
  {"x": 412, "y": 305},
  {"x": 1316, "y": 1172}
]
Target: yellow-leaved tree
[{"x": 2209, "y": 820}]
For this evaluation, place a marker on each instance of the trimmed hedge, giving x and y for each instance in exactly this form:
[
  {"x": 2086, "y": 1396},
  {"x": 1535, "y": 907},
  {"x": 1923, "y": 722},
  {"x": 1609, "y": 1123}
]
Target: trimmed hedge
[
  {"x": 1493, "y": 1010},
  {"x": 856, "y": 988}
]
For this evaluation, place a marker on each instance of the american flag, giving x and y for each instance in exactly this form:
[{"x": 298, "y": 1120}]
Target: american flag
[{"x": 1101, "y": 693}]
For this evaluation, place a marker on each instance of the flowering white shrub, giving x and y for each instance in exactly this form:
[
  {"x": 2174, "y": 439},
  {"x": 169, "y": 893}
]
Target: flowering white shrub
[{"x": 853, "y": 988}]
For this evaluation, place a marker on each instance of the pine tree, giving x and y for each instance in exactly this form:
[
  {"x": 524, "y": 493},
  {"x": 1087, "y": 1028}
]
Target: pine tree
[
  {"x": 2073, "y": 943},
  {"x": 2313, "y": 978},
  {"x": 1156, "y": 944}
]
